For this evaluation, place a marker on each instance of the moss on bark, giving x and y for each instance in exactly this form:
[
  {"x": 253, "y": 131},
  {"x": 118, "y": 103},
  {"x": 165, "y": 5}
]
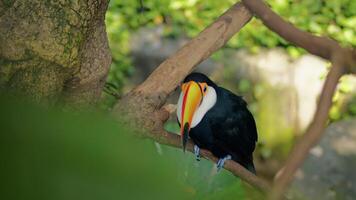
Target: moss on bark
[{"x": 45, "y": 45}]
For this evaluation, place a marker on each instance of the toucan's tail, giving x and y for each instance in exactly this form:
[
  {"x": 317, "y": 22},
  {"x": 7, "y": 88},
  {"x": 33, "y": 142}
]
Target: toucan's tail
[
  {"x": 250, "y": 167},
  {"x": 248, "y": 164}
]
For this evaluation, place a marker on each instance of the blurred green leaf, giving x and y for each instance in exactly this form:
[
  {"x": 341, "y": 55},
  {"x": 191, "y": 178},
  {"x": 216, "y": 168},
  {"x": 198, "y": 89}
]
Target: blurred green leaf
[{"x": 59, "y": 155}]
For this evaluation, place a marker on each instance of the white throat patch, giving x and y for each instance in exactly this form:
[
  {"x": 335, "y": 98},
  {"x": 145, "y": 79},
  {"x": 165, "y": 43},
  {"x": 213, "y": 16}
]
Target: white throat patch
[{"x": 208, "y": 102}]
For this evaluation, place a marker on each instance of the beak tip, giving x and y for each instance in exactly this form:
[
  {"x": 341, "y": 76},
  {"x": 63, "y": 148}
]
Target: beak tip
[
  {"x": 184, "y": 146},
  {"x": 185, "y": 136}
]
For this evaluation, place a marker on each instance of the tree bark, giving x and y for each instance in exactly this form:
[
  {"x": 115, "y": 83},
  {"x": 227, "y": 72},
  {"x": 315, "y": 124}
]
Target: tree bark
[{"x": 54, "y": 50}]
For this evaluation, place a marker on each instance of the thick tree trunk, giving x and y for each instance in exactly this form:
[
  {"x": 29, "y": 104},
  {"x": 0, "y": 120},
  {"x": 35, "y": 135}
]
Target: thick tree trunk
[{"x": 54, "y": 50}]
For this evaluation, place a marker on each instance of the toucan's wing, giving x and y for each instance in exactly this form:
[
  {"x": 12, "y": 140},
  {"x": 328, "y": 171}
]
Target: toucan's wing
[{"x": 235, "y": 130}]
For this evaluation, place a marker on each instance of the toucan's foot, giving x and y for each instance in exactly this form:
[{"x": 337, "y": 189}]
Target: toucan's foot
[
  {"x": 221, "y": 162},
  {"x": 197, "y": 152}
]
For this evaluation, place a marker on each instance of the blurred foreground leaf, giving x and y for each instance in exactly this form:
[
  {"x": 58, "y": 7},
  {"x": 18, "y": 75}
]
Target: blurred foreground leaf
[{"x": 56, "y": 155}]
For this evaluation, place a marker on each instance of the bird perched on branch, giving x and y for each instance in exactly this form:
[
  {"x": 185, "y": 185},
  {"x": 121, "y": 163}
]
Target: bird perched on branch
[{"x": 217, "y": 120}]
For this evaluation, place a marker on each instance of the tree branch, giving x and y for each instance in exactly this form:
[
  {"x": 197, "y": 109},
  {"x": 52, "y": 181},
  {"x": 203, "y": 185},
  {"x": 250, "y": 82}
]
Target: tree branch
[
  {"x": 174, "y": 140},
  {"x": 180, "y": 64},
  {"x": 320, "y": 46},
  {"x": 313, "y": 133},
  {"x": 341, "y": 58}
]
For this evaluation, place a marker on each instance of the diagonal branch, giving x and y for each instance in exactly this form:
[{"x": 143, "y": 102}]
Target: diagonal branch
[
  {"x": 174, "y": 140},
  {"x": 341, "y": 58},
  {"x": 177, "y": 66},
  {"x": 235, "y": 168}
]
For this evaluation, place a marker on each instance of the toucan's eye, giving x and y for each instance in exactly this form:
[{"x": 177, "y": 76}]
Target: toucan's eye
[{"x": 205, "y": 88}]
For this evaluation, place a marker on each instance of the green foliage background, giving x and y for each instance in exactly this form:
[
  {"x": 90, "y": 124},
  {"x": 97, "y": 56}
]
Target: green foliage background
[{"x": 333, "y": 18}]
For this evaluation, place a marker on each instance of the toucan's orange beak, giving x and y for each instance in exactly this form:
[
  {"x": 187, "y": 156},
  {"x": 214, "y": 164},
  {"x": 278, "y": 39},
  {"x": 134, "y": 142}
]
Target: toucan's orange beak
[{"x": 192, "y": 96}]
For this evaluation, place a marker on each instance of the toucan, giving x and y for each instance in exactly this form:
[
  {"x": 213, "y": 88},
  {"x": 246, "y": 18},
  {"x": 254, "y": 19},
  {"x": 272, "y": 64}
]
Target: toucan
[{"x": 217, "y": 120}]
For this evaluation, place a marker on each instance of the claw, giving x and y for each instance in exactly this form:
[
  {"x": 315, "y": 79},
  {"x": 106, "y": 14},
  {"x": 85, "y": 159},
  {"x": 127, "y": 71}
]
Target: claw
[
  {"x": 197, "y": 152},
  {"x": 221, "y": 162}
]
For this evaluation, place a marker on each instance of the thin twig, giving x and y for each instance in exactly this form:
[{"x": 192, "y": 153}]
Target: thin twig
[{"x": 313, "y": 133}]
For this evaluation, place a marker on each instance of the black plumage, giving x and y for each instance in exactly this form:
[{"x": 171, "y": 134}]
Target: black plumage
[{"x": 228, "y": 128}]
